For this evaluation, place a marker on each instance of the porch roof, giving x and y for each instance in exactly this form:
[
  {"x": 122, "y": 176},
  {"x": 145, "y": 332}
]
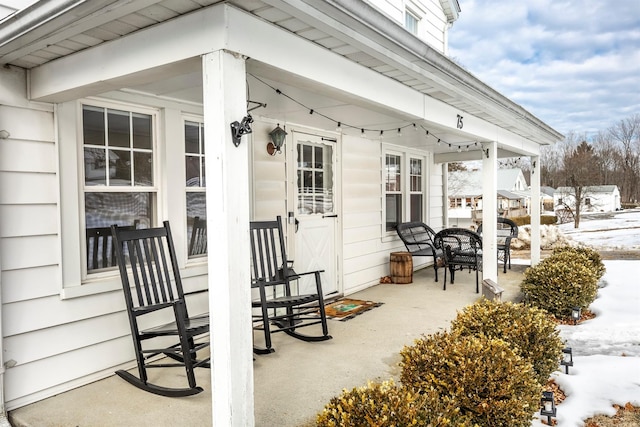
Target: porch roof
[{"x": 53, "y": 29}]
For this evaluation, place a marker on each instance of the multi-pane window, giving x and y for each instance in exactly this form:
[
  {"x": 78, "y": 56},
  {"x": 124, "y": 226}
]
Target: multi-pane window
[
  {"x": 411, "y": 22},
  {"x": 415, "y": 189},
  {"x": 118, "y": 150},
  {"x": 315, "y": 179},
  {"x": 393, "y": 191},
  {"x": 195, "y": 187}
]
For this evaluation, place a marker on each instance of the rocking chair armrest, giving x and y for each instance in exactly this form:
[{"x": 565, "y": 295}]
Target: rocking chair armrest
[{"x": 155, "y": 307}]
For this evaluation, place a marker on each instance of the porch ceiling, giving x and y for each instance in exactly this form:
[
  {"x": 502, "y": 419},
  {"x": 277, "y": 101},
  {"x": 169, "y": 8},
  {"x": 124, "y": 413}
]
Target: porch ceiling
[{"x": 74, "y": 25}]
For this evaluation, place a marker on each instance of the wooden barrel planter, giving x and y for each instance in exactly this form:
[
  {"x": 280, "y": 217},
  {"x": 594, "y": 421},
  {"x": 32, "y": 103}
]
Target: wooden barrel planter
[{"x": 401, "y": 267}]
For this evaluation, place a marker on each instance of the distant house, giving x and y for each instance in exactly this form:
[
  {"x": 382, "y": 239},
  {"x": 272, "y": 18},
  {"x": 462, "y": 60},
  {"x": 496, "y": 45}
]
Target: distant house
[
  {"x": 597, "y": 198},
  {"x": 465, "y": 196}
]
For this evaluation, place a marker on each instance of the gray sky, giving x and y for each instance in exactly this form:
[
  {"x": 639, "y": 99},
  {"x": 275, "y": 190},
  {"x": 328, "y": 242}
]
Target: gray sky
[{"x": 573, "y": 63}]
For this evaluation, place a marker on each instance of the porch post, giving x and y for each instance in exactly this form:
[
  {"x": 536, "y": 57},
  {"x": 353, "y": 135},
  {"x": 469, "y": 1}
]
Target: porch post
[
  {"x": 223, "y": 80},
  {"x": 535, "y": 210},
  {"x": 489, "y": 210}
]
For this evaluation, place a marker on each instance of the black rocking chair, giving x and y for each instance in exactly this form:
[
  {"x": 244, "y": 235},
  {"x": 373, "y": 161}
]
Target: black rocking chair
[
  {"x": 418, "y": 239},
  {"x": 151, "y": 282},
  {"x": 462, "y": 248},
  {"x": 506, "y": 230},
  {"x": 281, "y": 307}
]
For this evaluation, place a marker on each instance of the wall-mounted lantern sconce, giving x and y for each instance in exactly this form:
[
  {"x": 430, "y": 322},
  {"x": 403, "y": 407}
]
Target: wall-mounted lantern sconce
[
  {"x": 547, "y": 406},
  {"x": 576, "y": 313},
  {"x": 277, "y": 137},
  {"x": 241, "y": 128},
  {"x": 567, "y": 358}
]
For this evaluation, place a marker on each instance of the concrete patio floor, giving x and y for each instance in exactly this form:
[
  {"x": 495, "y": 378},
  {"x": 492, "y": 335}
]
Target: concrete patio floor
[{"x": 293, "y": 384}]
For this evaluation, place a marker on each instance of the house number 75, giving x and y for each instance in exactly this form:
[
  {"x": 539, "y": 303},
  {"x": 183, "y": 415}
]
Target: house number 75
[{"x": 460, "y": 124}]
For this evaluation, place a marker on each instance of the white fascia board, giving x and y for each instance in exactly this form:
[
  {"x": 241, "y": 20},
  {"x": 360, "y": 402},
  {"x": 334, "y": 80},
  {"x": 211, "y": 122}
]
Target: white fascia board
[
  {"x": 99, "y": 69},
  {"x": 475, "y": 128}
]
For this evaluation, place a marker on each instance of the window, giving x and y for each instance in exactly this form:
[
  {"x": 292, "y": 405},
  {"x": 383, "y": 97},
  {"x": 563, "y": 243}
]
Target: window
[
  {"x": 118, "y": 186},
  {"x": 411, "y": 22},
  {"x": 587, "y": 201},
  {"x": 393, "y": 190},
  {"x": 415, "y": 190},
  {"x": 315, "y": 178},
  {"x": 195, "y": 183}
]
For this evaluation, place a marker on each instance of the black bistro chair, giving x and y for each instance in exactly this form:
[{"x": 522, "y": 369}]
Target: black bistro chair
[
  {"x": 418, "y": 239},
  {"x": 506, "y": 230},
  {"x": 152, "y": 284},
  {"x": 280, "y": 305},
  {"x": 101, "y": 252},
  {"x": 462, "y": 248}
]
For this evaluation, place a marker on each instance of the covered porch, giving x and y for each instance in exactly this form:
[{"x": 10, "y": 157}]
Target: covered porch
[{"x": 294, "y": 383}]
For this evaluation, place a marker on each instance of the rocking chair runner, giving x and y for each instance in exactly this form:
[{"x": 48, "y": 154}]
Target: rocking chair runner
[
  {"x": 281, "y": 307},
  {"x": 151, "y": 284},
  {"x": 462, "y": 248}
]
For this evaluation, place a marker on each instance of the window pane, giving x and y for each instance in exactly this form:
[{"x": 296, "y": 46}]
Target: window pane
[
  {"x": 95, "y": 166},
  {"x": 104, "y": 209},
  {"x": 191, "y": 138},
  {"x": 196, "y": 208},
  {"x": 118, "y": 125},
  {"x": 141, "y": 131},
  {"x": 93, "y": 125},
  {"x": 416, "y": 207},
  {"x": 192, "y": 168},
  {"x": 393, "y": 211},
  {"x": 143, "y": 168},
  {"x": 122, "y": 160}
]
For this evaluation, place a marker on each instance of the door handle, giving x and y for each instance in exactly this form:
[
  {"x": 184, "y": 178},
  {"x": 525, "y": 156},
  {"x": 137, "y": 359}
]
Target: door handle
[
  {"x": 297, "y": 224},
  {"x": 330, "y": 216}
]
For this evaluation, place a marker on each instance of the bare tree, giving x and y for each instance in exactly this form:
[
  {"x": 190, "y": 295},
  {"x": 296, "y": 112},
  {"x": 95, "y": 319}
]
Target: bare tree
[
  {"x": 627, "y": 133},
  {"x": 580, "y": 174}
]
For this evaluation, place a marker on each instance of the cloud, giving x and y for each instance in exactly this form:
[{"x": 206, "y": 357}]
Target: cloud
[{"x": 574, "y": 63}]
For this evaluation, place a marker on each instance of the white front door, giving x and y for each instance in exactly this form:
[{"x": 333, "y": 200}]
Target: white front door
[{"x": 313, "y": 210}]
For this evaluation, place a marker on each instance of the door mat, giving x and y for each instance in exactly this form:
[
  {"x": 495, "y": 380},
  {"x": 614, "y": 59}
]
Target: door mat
[{"x": 345, "y": 308}]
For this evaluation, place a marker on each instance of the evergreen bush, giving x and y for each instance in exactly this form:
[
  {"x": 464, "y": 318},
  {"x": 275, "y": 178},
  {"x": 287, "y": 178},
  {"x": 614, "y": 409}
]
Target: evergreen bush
[
  {"x": 593, "y": 256},
  {"x": 387, "y": 405},
  {"x": 489, "y": 383},
  {"x": 560, "y": 282},
  {"x": 530, "y": 331}
]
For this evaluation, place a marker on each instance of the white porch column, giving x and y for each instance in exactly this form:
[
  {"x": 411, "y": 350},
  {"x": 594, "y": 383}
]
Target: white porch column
[
  {"x": 535, "y": 210},
  {"x": 489, "y": 210},
  {"x": 223, "y": 78}
]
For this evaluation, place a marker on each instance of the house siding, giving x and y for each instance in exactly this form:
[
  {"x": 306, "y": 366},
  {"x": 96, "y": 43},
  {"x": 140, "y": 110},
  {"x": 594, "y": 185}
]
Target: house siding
[{"x": 52, "y": 344}]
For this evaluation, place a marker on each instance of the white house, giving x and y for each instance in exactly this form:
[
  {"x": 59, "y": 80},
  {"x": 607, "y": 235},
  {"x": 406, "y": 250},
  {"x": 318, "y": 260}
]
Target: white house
[
  {"x": 109, "y": 109},
  {"x": 595, "y": 198},
  {"x": 465, "y": 189}
]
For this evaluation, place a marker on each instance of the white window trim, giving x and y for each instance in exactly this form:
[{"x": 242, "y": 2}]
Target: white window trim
[
  {"x": 75, "y": 280},
  {"x": 405, "y": 155}
]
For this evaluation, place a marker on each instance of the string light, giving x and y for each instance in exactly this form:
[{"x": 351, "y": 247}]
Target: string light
[{"x": 340, "y": 126}]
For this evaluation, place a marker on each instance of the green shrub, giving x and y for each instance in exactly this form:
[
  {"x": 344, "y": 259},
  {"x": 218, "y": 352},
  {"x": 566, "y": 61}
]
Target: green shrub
[
  {"x": 385, "y": 405},
  {"x": 489, "y": 383},
  {"x": 560, "y": 282},
  {"x": 529, "y": 331},
  {"x": 593, "y": 255}
]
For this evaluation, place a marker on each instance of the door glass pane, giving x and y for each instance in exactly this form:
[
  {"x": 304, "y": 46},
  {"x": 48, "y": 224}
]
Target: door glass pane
[{"x": 315, "y": 179}]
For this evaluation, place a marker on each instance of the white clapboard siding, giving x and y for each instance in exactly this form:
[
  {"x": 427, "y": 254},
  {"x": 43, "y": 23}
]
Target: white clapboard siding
[
  {"x": 28, "y": 220},
  {"x": 29, "y": 251},
  {"x": 29, "y": 283},
  {"x": 33, "y": 381},
  {"x": 43, "y": 343},
  {"x": 28, "y": 188},
  {"x": 27, "y": 156}
]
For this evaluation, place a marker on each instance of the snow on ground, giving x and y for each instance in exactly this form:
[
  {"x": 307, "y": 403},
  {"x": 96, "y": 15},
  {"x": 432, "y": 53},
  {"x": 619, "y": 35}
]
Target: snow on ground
[
  {"x": 612, "y": 231},
  {"x": 606, "y": 348}
]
